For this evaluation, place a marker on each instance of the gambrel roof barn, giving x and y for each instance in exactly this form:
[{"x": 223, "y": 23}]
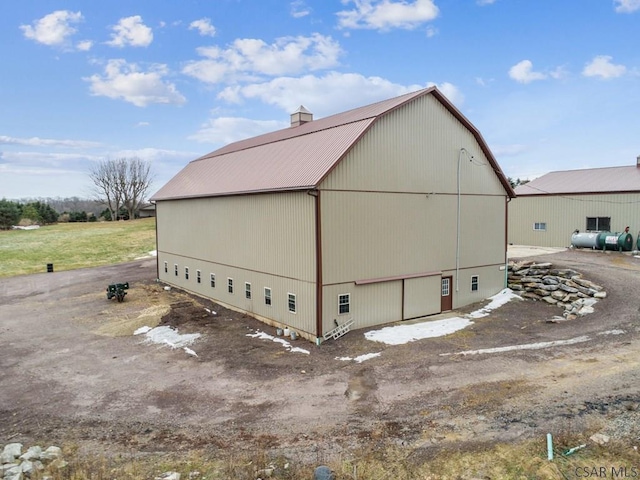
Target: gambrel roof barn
[{"x": 365, "y": 217}]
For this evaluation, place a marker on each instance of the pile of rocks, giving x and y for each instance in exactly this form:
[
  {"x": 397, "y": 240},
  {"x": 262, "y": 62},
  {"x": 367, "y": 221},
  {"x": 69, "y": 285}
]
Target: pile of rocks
[
  {"x": 562, "y": 287},
  {"x": 15, "y": 465}
]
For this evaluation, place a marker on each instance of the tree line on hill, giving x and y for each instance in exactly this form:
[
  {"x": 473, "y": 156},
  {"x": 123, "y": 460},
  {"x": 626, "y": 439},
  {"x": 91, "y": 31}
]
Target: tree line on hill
[
  {"x": 45, "y": 211},
  {"x": 120, "y": 185}
]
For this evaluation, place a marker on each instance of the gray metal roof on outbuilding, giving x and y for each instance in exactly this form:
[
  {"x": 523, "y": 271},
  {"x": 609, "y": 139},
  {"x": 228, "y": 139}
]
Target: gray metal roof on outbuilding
[
  {"x": 294, "y": 158},
  {"x": 586, "y": 181}
]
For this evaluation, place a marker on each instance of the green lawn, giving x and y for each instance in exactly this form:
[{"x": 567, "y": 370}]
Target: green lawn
[{"x": 75, "y": 245}]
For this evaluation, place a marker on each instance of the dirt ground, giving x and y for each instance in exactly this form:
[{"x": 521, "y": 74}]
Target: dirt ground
[{"x": 71, "y": 371}]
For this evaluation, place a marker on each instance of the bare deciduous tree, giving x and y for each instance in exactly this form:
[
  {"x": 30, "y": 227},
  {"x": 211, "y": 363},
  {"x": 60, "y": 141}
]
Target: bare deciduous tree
[{"x": 121, "y": 182}]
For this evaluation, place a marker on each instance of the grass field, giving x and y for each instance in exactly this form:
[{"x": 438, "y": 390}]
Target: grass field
[{"x": 75, "y": 245}]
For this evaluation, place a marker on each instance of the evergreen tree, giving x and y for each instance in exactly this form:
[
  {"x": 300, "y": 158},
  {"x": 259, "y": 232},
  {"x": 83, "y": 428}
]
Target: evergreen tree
[{"x": 9, "y": 214}]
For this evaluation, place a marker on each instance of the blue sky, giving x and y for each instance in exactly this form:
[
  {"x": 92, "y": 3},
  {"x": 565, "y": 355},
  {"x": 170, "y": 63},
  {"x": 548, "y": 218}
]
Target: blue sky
[{"x": 551, "y": 85}]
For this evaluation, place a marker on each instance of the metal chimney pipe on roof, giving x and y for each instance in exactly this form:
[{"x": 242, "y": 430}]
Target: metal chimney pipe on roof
[{"x": 638, "y": 161}]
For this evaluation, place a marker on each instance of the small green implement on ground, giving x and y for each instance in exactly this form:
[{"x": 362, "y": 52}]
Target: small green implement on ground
[{"x": 117, "y": 290}]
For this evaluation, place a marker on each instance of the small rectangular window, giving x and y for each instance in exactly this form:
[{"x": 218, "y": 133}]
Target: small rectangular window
[
  {"x": 291, "y": 300},
  {"x": 175, "y": 269},
  {"x": 475, "y": 283},
  {"x": 540, "y": 227},
  {"x": 344, "y": 303},
  {"x": 212, "y": 280},
  {"x": 230, "y": 285},
  {"x": 198, "y": 277},
  {"x": 166, "y": 267},
  {"x": 599, "y": 224},
  {"x": 247, "y": 290},
  {"x": 186, "y": 273},
  {"x": 267, "y": 296}
]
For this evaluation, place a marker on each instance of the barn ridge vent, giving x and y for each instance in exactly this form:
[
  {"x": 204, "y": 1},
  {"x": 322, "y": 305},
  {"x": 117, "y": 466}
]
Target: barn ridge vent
[{"x": 301, "y": 116}]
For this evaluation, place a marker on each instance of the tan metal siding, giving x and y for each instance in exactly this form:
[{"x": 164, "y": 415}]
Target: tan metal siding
[
  {"x": 372, "y": 235},
  {"x": 269, "y": 233},
  {"x": 491, "y": 279},
  {"x": 422, "y": 296},
  {"x": 371, "y": 305},
  {"x": 564, "y": 214},
  {"x": 416, "y": 149},
  {"x": 303, "y": 320}
]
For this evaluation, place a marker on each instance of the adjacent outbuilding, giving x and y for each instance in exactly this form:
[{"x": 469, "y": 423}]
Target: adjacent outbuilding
[
  {"x": 387, "y": 212},
  {"x": 549, "y": 209}
]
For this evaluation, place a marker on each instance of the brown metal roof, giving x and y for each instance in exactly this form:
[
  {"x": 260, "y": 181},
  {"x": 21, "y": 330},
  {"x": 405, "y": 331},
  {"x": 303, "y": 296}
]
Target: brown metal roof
[
  {"x": 593, "y": 180},
  {"x": 294, "y": 158}
]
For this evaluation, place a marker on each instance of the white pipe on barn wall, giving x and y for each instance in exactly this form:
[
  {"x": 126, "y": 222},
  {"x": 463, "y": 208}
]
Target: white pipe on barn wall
[{"x": 462, "y": 150}]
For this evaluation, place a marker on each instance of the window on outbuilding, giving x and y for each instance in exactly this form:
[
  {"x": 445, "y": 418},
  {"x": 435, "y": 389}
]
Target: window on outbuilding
[
  {"x": 344, "y": 303},
  {"x": 166, "y": 267},
  {"x": 198, "y": 277},
  {"x": 540, "y": 226},
  {"x": 247, "y": 290},
  {"x": 601, "y": 224},
  {"x": 212, "y": 280},
  {"x": 291, "y": 300},
  {"x": 175, "y": 269},
  {"x": 475, "y": 283},
  {"x": 186, "y": 273},
  {"x": 267, "y": 296},
  {"x": 230, "y": 285}
]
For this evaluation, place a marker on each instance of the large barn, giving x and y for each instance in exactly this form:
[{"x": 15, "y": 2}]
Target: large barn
[
  {"x": 387, "y": 212},
  {"x": 550, "y": 208}
]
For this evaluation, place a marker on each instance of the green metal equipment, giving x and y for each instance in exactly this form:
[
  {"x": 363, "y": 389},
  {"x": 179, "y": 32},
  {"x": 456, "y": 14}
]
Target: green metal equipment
[{"x": 117, "y": 290}]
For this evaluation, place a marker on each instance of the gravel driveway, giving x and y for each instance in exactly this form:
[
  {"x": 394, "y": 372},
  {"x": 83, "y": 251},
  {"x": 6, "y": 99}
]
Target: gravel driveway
[{"x": 71, "y": 370}]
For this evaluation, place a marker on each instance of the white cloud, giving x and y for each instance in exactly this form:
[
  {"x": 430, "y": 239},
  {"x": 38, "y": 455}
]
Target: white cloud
[
  {"x": 247, "y": 58},
  {"x": 125, "y": 81},
  {"x": 142, "y": 124},
  {"x": 53, "y": 29},
  {"x": 47, "y": 142},
  {"x": 485, "y": 2},
  {"x": 84, "y": 45},
  {"x": 450, "y": 91},
  {"x": 431, "y": 31},
  {"x": 387, "y": 14},
  {"x": 153, "y": 154},
  {"x": 299, "y": 9},
  {"x": 523, "y": 72},
  {"x": 224, "y": 130},
  {"x": 626, "y": 6},
  {"x": 602, "y": 67},
  {"x": 131, "y": 31},
  {"x": 332, "y": 93},
  {"x": 203, "y": 26}
]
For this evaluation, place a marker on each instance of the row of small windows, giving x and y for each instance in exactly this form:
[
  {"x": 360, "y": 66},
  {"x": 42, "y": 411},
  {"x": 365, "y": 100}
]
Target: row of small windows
[
  {"x": 344, "y": 300},
  {"x": 594, "y": 224}
]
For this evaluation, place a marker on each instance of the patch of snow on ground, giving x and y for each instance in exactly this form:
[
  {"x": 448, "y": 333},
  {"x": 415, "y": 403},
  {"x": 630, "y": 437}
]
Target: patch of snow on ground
[
  {"x": 152, "y": 253},
  {"x": 168, "y": 336},
  {"x": 498, "y": 300},
  {"x": 612, "y": 332},
  {"x": 526, "y": 346},
  {"x": 142, "y": 330},
  {"x": 534, "y": 346},
  {"x": 29, "y": 227},
  {"x": 360, "y": 358},
  {"x": 265, "y": 336},
  {"x": 401, "y": 334}
]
